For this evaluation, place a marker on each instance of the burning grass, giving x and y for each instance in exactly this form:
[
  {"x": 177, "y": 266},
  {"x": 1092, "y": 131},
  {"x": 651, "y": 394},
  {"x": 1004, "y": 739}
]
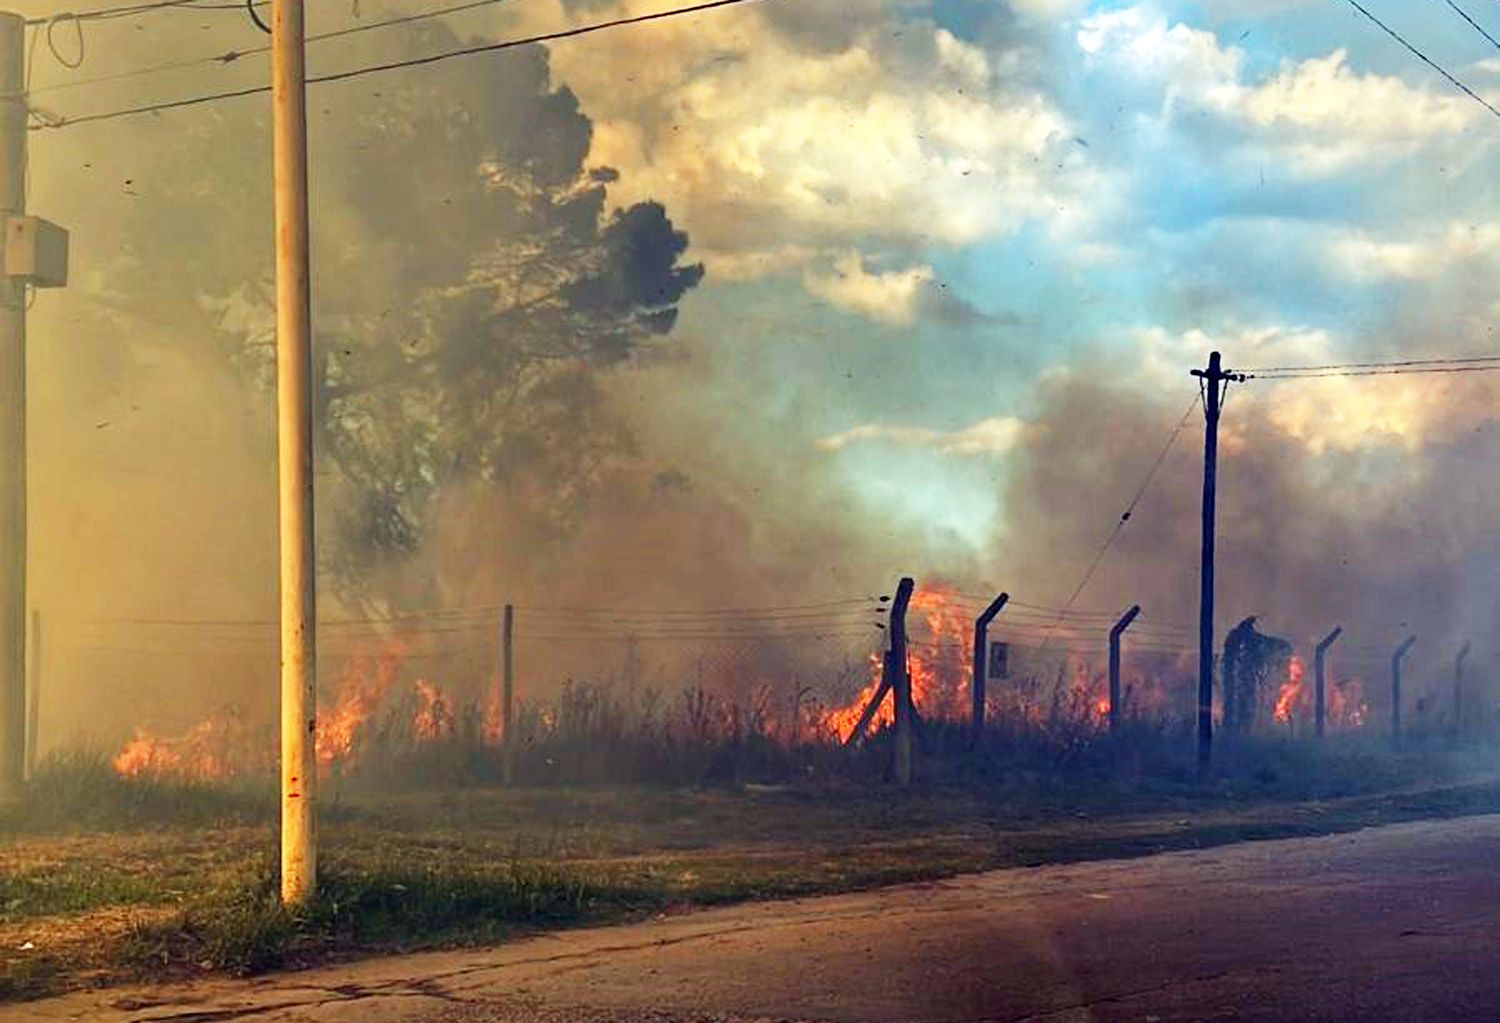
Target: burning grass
[
  {"x": 83, "y": 789},
  {"x": 751, "y": 719}
]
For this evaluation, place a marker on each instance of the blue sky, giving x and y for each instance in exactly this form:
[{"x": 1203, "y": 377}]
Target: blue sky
[{"x": 1104, "y": 188}]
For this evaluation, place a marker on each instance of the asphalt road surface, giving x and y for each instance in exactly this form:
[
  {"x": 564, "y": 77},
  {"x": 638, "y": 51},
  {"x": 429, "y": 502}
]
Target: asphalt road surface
[{"x": 1395, "y": 925}]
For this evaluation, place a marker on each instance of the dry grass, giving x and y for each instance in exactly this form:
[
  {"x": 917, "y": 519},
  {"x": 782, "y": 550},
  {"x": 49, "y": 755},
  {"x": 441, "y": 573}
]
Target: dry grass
[{"x": 142, "y": 892}]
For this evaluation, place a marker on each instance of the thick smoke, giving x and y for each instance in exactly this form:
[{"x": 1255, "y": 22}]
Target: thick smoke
[
  {"x": 631, "y": 482},
  {"x": 443, "y": 203},
  {"x": 1384, "y": 538}
]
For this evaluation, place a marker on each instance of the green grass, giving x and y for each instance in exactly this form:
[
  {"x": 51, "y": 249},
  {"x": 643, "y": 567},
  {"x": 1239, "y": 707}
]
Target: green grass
[
  {"x": 79, "y": 790},
  {"x": 113, "y": 881}
]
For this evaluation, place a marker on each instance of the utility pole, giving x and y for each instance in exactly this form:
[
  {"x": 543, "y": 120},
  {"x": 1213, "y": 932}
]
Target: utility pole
[
  {"x": 1396, "y": 659},
  {"x": 1320, "y": 683},
  {"x": 981, "y": 662},
  {"x": 1114, "y": 666},
  {"x": 507, "y": 693},
  {"x": 35, "y": 256},
  {"x": 1458, "y": 689},
  {"x": 1214, "y": 381},
  {"x": 299, "y": 843},
  {"x": 901, "y": 680}
]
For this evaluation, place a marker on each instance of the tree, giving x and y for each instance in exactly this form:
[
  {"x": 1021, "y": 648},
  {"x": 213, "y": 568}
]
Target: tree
[{"x": 471, "y": 289}]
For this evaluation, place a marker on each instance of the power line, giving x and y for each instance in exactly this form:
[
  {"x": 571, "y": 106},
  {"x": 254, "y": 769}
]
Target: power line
[
  {"x": 1014, "y": 606},
  {"x": 232, "y": 56},
  {"x": 725, "y": 630},
  {"x": 1460, "y": 360},
  {"x": 1135, "y": 501},
  {"x": 632, "y": 637},
  {"x": 1415, "y": 371},
  {"x": 1476, "y": 26},
  {"x": 339, "y": 76},
  {"x": 689, "y": 612},
  {"x": 397, "y": 619},
  {"x": 1099, "y": 618},
  {"x": 465, "y": 619},
  {"x": 1424, "y": 58},
  {"x": 1080, "y": 617},
  {"x": 132, "y": 10}
]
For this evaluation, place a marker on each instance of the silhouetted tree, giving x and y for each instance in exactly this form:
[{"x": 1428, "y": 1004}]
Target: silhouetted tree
[{"x": 471, "y": 287}]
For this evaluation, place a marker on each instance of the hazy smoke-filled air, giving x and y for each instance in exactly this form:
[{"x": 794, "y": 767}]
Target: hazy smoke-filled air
[{"x": 602, "y": 329}]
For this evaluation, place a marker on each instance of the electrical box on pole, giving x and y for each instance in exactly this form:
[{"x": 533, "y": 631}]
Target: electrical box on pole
[{"x": 36, "y": 252}]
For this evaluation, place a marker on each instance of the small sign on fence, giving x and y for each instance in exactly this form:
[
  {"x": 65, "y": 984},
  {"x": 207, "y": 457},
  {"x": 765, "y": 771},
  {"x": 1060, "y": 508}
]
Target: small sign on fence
[{"x": 999, "y": 661}]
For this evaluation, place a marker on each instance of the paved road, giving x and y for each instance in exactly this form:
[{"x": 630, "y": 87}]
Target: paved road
[{"x": 1396, "y": 925}]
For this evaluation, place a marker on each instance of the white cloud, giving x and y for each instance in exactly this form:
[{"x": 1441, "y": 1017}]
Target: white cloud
[
  {"x": 1315, "y": 117},
  {"x": 1048, "y": 10},
  {"x": 994, "y": 436},
  {"x": 1361, "y": 256},
  {"x": 1253, "y": 8},
  {"x": 1168, "y": 356},
  {"x": 890, "y": 296},
  {"x": 755, "y": 137},
  {"x": 1323, "y": 413}
]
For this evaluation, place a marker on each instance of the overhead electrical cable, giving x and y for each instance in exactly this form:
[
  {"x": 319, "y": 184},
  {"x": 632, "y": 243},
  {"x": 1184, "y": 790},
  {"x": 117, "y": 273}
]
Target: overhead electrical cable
[
  {"x": 1393, "y": 364},
  {"x": 865, "y": 601},
  {"x": 1135, "y": 501},
  {"x": 743, "y": 637},
  {"x": 134, "y": 10},
  {"x": 340, "y": 76},
  {"x": 1415, "y": 371},
  {"x": 1453, "y": 79},
  {"x": 233, "y": 56},
  {"x": 1473, "y": 24},
  {"x": 484, "y": 616}
]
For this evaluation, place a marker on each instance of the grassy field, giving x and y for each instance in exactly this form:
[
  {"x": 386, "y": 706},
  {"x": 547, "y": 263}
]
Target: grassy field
[{"x": 104, "y": 880}]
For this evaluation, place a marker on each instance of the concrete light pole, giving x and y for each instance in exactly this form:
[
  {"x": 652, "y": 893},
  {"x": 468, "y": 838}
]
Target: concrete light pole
[
  {"x": 299, "y": 847},
  {"x": 35, "y": 256}
]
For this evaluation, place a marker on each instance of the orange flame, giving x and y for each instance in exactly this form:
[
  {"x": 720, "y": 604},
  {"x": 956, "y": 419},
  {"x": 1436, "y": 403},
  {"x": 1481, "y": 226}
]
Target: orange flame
[
  {"x": 145, "y": 755},
  {"x": 362, "y": 687},
  {"x": 434, "y": 718},
  {"x": 937, "y": 664},
  {"x": 492, "y": 726},
  {"x": 204, "y": 752},
  {"x": 1291, "y": 689},
  {"x": 841, "y": 720},
  {"x": 199, "y": 755}
]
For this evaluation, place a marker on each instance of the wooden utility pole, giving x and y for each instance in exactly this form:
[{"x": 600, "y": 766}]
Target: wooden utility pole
[
  {"x": 1458, "y": 689},
  {"x": 1214, "y": 380},
  {"x": 1396, "y": 659},
  {"x": 1320, "y": 681},
  {"x": 901, "y": 680},
  {"x": 299, "y": 844},
  {"x": 1114, "y": 666},
  {"x": 507, "y": 693},
  {"x": 980, "y": 678}
]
